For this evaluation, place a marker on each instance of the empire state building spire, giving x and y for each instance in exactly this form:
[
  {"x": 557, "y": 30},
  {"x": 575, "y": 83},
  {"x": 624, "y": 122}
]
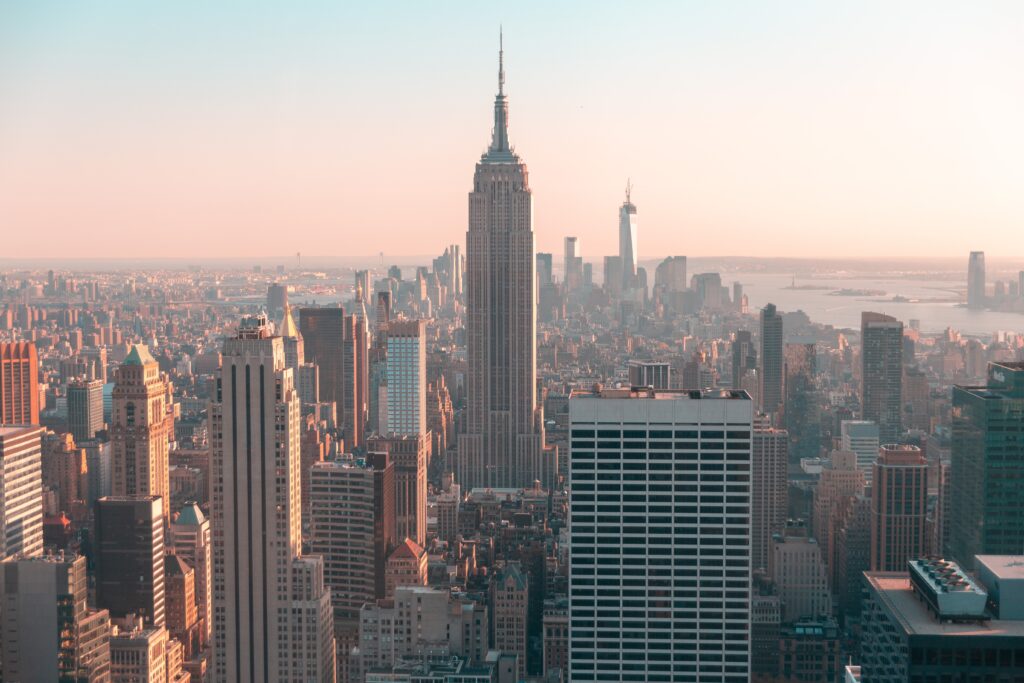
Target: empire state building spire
[{"x": 500, "y": 151}]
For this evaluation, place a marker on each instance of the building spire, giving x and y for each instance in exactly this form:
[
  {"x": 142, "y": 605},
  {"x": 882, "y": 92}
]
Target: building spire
[
  {"x": 501, "y": 60},
  {"x": 499, "y": 135}
]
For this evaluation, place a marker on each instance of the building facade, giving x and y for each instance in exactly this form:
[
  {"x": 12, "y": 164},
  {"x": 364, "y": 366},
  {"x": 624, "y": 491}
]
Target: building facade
[{"x": 19, "y": 383}]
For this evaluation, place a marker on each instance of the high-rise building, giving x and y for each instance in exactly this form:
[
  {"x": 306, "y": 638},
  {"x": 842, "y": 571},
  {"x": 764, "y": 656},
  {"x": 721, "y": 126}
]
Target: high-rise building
[
  {"x": 744, "y": 357},
  {"x": 19, "y": 384},
  {"x": 627, "y": 240},
  {"x": 85, "y": 408},
  {"x": 407, "y": 377},
  {"x": 771, "y": 360},
  {"x": 355, "y": 356},
  {"x": 801, "y": 409},
  {"x": 899, "y": 504},
  {"x": 852, "y": 554},
  {"x": 769, "y": 484},
  {"x": 406, "y": 566},
  {"x": 409, "y": 455},
  {"x": 503, "y": 443},
  {"x": 659, "y": 579},
  {"x": 49, "y": 633},
  {"x": 277, "y": 299},
  {"x": 142, "y": 428},
  {"x": 987, "y": 467},
  {"x": 190, "y": 540},
  {"x": 21, "y": 491},
  {"x": 840, "y": 481},
  {"x": 294, "y": 347},
  {"x": 881, "y": 358},
  {"x": 272, "y": 619},
  {"x": 140, "y": 655},
  {"x": 573, "y": 265},
  {"x": 861, "y": 437},
  {"x": 352, "y": 526},
  {"x": 509, "y": 607},
  {"x": 323, "y": 335},
  {"x": 129, "y": 557},
  {"x": 976, "y": 297},
  {"x": 182, "y": 610}
]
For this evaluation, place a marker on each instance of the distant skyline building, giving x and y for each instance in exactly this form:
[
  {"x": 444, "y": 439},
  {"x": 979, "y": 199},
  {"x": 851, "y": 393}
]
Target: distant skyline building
[
  {"x": 976, "y": 297},
  {"x": 504, "y": 441},
  {"x": 277, "y": 299},
  {"x": 769, "y": 486},
  {"x": 142, "y": 427},
  {"x": 881, "y": 358},
  {"x": 771, "y": 358},
  {"x": 744, "y": 357},
  {"x": 272, "y": 617},
  {"x": 21, "y": 491},
  {"x": 573, "y": 265},
  {"x": 649, "y": 373},
  {"x": 627, "y": 240},
  {"x": 19, "y": 383},
  {"x": 323, "y": 336},
  {"x": 630, "y": 551}
]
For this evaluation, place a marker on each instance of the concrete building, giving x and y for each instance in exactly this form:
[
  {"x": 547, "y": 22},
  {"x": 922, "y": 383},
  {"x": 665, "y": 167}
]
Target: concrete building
[
  {"x": 555, "y": 623},
  {"x": 840, "y": 481},
  {"x": 648, "y": 373},
  {"x": 771, "y": 359},
  {"x": 881, "y": 356},
  {"x": 798, "y": 570},
  {"x": 407, "y": 377},
  {"x": 862, "y": 438},
  {"x": 129, "y": 556},
  {"x": 628, "y": 549},
  {"x": 19, "y": 384},
  {"x": 272, "y": 619},
  {"x": 352, "y": 526},
  {"x": 182, "y": 610},
  {"x": 976, "y": 297},
  {"x": 21, "y": 491},
  {"x": 48, "y": 631},
  {"x": 811, "y": 650},
  {"x": 190, "y": 540},
  {"x": 504, "y": 438},
  {"x": 406, "y": 566},
  {"x": 510, "y": 592},
  {"x": 769, "y": 485},
  {"x": 409, "y": 454},
  {"x": 142, "y": 428},
  {"x": 85, "y": 408},
  {"x": 987, "y": 466},
  {"x": 899, "y": 506}
]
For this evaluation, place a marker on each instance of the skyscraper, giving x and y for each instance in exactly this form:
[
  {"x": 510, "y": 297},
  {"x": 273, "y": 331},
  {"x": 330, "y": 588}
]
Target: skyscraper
[
  {"x": 277, "y": 299},
  {"x": 573, "y": 265},
  {"x": 659, "y": 578},
  {"x": 503, "y": 443},
  {"x": 899, "y": 504},
  {"x": 143, "y": 426},
  {"x": 769, "y": 485},
  {"x": 130, "y": 557},
  {"x": 85, "y": 408},
  {"x": 627, "y": 240},
  {"x": 771, "y": 360},
  {"x": 408, "y": 453},
  {"x": 190, "y": 539},
  {"x": 323, "y": 335},
  {"x": 407, "y": 378},
  {"x": 19, "y": 384},
  {"x": 976, "y": 280},
  {"x": 801, "y": 409},
  {"x": 49, "y": 633},
  {"x": 21, "y": 491},
  {"x": 294, "y": 346},
  {"x": 840, "y": 481},
  {"x": 744, "y": 357},
  {"x": 881, "y": 358},
  {"x": 987, "y": 467},
  {"x": 272, "y": 619}
]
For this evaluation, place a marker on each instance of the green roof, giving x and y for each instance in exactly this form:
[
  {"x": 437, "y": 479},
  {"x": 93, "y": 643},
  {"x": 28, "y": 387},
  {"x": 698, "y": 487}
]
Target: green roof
[{"x": 139, "y": 355}]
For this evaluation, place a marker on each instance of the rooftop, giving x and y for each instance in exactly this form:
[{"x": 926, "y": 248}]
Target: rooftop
[
  {"x": 1002, "y": 566},
  {"x": 894, "y": 591},
  {"x": 659, "y": 394},
  {"x": 139, "y": 355}
]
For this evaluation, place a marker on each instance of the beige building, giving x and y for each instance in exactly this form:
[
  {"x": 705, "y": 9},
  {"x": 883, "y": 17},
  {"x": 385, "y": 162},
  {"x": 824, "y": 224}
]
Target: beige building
[
  {"x": 769, "y": 489},
  {"x": 840, "y": 480},
  {"x": 799, "y": 574},
  {"x": 272, "y": 618},
  {"x": 407, "y": 566},
  {"x": 21, "y": 492},
  {"x": 899, "y": 506},
  {"x": 503, "y": 443},
  {"x": 409, "y": 454},
  {"x": 190, "y": 540},
  {"x": 142, "y": 428}
]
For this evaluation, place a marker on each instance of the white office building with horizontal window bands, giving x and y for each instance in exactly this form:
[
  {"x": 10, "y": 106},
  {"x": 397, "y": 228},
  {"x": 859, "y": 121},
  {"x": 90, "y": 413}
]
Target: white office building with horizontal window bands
[{"x": 660, "y": 547}]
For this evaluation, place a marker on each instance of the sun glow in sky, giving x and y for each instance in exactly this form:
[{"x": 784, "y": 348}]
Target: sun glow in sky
[{"x": 750, "y": 128}]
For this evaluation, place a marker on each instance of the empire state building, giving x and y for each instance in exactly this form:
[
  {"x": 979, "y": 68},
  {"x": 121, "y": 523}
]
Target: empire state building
[{"x": 503, "y": 443}]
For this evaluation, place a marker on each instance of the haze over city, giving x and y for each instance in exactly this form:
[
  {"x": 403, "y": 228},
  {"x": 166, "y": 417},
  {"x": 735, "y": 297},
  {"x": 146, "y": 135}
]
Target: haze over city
[
  {"x": 755, "y": 129},
  {"x": 649, "y": 342}
]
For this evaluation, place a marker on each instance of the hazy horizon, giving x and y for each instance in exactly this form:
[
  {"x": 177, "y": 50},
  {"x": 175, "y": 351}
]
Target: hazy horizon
[{"x": 806, "y": 130}]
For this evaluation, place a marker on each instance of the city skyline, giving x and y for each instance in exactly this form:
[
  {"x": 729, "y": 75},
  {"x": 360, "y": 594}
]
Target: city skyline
[{"x": 253, "y": 132}]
